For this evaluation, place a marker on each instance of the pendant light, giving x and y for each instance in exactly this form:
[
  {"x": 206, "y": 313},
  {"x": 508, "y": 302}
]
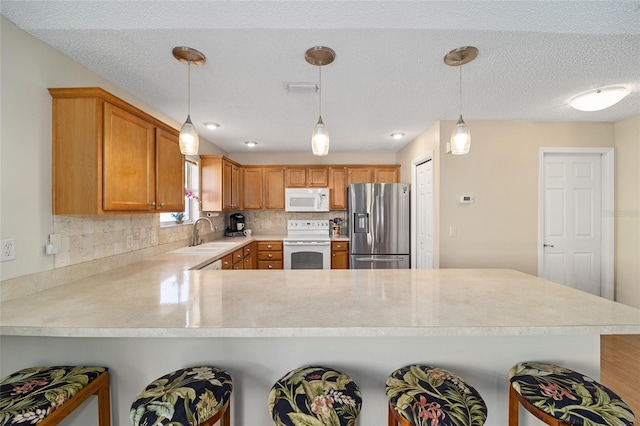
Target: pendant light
[
  {"x": 320, "y": 56},
  {"x": 189, "y": 141},
  {"x": 461, "y": 136}
]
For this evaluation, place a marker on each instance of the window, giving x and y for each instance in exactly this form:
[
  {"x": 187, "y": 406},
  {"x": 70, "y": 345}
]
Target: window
[{"x": 191, "y": 182}]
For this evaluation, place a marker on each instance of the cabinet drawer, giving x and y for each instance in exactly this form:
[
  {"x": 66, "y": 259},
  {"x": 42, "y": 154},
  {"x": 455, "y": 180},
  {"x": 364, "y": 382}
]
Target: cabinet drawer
[
  {"x": 247, "y": 250},
  {"x": 269, "y": 255},
  {"x": 269, "y": 245},
  {"x": 227, "y": 261},
  {"x": 238, "y": 255},
  {"x": 238, "y": 265},
  {"x": 339, "y": 245},
  {"x": 269, "y": 264}
]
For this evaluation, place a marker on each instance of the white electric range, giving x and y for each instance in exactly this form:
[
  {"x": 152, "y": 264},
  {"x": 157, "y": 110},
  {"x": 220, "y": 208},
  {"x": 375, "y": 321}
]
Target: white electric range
[{"x": 307, "y": 244}]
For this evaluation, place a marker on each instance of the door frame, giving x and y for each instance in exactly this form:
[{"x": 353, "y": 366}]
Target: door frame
[
  {"x": 607, "y": 217},
  {"x": 414, "y": 240}
]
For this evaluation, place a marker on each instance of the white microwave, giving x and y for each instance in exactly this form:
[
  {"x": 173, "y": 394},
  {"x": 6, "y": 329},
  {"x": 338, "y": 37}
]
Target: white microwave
[{"x": 306, "y": 199}]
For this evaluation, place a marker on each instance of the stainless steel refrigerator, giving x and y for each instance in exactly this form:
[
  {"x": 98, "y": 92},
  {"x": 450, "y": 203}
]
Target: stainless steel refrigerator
[{"x": 378, "y": 222}]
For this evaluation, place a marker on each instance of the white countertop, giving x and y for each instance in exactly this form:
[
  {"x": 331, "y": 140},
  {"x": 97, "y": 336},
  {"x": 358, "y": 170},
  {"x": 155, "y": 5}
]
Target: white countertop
[{"x": 162, "y": 297}]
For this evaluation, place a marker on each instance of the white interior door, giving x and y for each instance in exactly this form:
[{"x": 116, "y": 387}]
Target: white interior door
[
  {"x": 572, "y": 235},
  {"x": 424, "y": 216}
]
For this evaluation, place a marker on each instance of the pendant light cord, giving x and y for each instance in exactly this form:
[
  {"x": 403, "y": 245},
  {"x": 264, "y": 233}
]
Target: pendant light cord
[
  {"x": 189, "y": 88},
  {"x": 320, "y": 92},
  {"x": 460, "y": 85}
]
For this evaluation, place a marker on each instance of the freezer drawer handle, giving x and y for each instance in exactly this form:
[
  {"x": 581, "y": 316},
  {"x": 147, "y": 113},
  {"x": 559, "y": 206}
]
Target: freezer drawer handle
[{"x": 371, "y": 259}]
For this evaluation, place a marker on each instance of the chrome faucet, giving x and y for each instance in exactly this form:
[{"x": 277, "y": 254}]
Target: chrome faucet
[{"x": 196, "y": 240}]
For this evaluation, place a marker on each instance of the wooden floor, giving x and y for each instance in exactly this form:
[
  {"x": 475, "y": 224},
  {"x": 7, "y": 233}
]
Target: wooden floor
[{"x": 620, "y": 367}]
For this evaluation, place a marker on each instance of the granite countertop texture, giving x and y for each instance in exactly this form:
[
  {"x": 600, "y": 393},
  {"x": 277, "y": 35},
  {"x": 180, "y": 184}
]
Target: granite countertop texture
[{"x": 163, "y": 297}]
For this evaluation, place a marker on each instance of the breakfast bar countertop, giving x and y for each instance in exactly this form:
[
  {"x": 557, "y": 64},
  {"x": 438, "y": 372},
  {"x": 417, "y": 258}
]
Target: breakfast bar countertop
[{"x": 163, "y": 297}]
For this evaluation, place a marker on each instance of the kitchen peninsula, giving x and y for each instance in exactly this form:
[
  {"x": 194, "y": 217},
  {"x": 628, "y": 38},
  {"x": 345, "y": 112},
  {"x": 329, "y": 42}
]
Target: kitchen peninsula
[{"x": 157, "y": 315}]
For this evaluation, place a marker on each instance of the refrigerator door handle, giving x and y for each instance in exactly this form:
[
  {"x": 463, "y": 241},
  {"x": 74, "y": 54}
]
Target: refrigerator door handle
[
  {"x": 379, "y": 218},
  {"x": 371, "y": 259}
]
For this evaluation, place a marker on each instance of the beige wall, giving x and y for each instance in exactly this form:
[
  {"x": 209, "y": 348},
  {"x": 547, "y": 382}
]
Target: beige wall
[
  {"x": 627, "y": 211},
  {"x": 29, "y": 67}
]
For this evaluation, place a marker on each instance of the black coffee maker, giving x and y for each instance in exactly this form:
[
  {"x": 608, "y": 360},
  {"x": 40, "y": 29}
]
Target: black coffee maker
[{"x": 236, "y": 222}]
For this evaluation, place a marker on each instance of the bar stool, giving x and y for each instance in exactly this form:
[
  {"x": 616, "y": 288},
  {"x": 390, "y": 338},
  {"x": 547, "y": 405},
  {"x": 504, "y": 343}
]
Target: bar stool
[
  {"x": 559, "y": 396},
  {"x": 46, "y": 395},
  {"x": 423, "y": 395},
  {"x": 314, "y": 395},
  {"x": 194, "y": 396}
]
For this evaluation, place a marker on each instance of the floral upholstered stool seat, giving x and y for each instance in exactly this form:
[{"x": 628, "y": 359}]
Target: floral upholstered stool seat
[
  {"x": 194, "y": 396},
  {"x": 422, "y": 395},
  {"x": 315, "y": 395},
  {"x": 46, "y": 395},
  {"x": 559, "y": 396}
]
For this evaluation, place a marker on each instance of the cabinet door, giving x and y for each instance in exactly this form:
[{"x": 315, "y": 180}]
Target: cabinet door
[
  {"x": 318, "y": 177},
  {"x": 360, "y": 175},
  {"x": 338, "y": 188},
  {"x": 273, "y": 188},
  {"x": 339, "y": 255},
  {"x": 128, "y": 161},
  {"x": 227, "y": 177},
  {"x": 236, "y": 187},
  {"x": 169, "y": 173},
  {"x": 385, "y": 174},
  {"x": 296, "y": 177},
  {"x": 252, "y": 182}
]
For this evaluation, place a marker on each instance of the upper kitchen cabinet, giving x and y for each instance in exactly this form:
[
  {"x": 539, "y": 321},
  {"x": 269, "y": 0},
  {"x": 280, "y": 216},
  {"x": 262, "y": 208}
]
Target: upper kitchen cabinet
[
  {"x": 252, "y": 183},
  {"x": 263, "y": 187},
  {"x": 390, "y": 174},
  {"x": 359, "y": 174},
  {"x": 307, "y": 177},
  {"x": 221, "y": 183},
  {"x": 110, "y": 157},
  {"x": 338, "y": 188},
  {"x": 273, "y": 188}
]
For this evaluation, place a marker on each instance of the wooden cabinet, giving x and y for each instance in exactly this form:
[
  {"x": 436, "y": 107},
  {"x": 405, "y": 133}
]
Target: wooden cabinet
[
  {"x": 386, "y": 174},
  {"x": 339, "y": 255},
  {"x": 220, "y": 183},
  {"x": 252, "y": 183},
  {"x": 110, "y": 157},
  {"x": 227, "y": 261},
  {"x": 307, "y": 177},
  {"x": 273, "y": 185},
  {"x": 358, "y": 174},
  {"x": 270, "y": 255},
  {"x": 250, "y": 258},
  {"x": 263, "y": 188},
  {"x": 337, "y": 188}
]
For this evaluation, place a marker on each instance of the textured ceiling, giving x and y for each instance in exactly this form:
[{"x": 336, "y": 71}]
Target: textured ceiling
[{"x": 388, "y": 75}]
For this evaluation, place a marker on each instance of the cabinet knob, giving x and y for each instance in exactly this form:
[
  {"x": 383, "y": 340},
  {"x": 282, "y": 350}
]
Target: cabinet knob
[
  {"x": 226, "y": 263},
  {"x": 339, "y": 246},
  {"x": 269, "y": 246},
  {"x": 334, "y": 255},
  {"x": 161, "y": 204},
  {"x": 152, "y": 204},
  {"x": 270, "y": 256},
  {"x": 270, "y": 266}
]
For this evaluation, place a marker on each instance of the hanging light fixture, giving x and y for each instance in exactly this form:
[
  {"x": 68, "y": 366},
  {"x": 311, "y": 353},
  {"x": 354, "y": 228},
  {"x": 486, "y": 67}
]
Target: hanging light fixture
[
  {"x": 320, "y": 56},
  {"x": 461, "y": 136},
  {"x": 189, "y": 141}
]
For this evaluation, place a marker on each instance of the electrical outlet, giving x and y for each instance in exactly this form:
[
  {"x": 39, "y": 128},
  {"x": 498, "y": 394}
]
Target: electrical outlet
[{"x": 8, "y": 250}]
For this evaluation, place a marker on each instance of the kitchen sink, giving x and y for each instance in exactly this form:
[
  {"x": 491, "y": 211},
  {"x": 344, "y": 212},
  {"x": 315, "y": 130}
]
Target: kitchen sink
[{"x": 207, "y": 248}]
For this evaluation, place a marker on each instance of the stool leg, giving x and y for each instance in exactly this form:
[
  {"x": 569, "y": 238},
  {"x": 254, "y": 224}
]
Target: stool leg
[
  {"x": 391, "y": 420},
  {"x": 104, "y": 402},
  {"x": 513, "y": 407},
  {"x": 226, "y": 417}
]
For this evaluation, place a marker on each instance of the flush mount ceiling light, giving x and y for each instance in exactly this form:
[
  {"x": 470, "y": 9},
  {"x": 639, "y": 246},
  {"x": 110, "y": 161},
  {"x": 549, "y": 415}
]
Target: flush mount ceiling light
[
  {"x": 251, "y": 144},
  {"x": 189, "y": 141},
  {"x": 211, "y": 125},
  {"x": 320, "y": 56},
  {"x": 397, "y": 135},
  {"x": 461, "y": 136},
  {"x": 599, "y": 99}
]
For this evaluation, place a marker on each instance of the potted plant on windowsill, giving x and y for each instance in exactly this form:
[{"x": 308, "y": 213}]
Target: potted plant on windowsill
[{"x": 179, "y": 217}]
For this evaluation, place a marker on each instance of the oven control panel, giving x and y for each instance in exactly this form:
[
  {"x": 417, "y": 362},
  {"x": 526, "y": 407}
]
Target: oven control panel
[{"x": 315, "y": 225}]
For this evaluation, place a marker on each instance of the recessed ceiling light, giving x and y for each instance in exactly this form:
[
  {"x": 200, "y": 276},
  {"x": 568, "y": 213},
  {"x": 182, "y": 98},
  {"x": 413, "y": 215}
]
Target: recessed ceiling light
[
  {"x": 397, "y": 135},
  {"x": 211, "y": 125},
  {"x": 251, "y": 144},
  {"x": 599, "y": 99}
]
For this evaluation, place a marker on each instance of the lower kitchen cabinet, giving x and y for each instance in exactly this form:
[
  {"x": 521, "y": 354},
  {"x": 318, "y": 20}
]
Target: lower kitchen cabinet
[
  {"x": 270, "y": 255},
  {"x": 227, "y": 261},
  {"x": 339, "y": 255}
]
